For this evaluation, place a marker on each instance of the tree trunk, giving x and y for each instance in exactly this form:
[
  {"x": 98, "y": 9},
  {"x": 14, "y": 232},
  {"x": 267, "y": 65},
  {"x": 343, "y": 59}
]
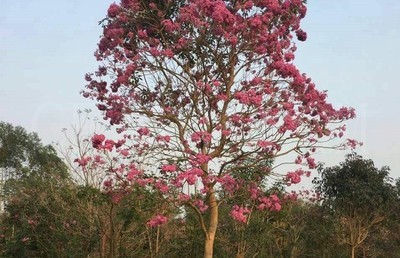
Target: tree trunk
[
  {"x": 353, "y": 251},
  {"x": 209, "y": 247},
  {"x": 212, "y": 227}
]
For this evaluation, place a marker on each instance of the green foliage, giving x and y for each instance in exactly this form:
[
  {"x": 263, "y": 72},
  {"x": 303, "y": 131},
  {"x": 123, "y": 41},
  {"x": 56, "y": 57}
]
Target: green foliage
[
  {"x": 358, "y": 197},
  {"x": 356, "y": 185},
  {"x": 22, "y": 154}
]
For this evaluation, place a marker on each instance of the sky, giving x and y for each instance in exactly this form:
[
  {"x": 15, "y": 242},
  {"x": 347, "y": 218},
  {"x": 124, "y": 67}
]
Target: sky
[{"x": 352, "y": 51}]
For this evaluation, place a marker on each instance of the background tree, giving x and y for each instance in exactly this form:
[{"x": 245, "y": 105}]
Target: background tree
[
  {"x": 359, "y": 196},
  {"x": 195, "y": 86},
  {"x": 24, "y": 158}
]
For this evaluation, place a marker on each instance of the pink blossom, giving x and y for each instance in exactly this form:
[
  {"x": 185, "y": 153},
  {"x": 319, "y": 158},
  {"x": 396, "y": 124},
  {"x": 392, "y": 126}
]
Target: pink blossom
[
  {"x": 202, "y": 135},
  {"x": 235, "y": 118},
  {"x": 119, "y": 143},
  {"x": 169, "y": 25},
  {"x": 352, "y": 143},
  {"x": 133, "y": 173},
  {"x": 143, "y": 131},
  {"x": 83, "y": 161},
  {"x": 97, "y": 140},
  {"x": 221, "y": 97},
  {"x": 142, "y": 34},
  {"x": 168, "y": 53},
  {"x": 190, "y": 176},
  {"x": 301, "y": 35},
  {"x": 157, "y": 220},
  {"x": 289, "y": 123},
  {"x": 116, "y": 197},
  {"x": 161, "y": 138},
  {"x": 201, "y": 205},
  {"x": 229, "y": 184},
  {"x": 113, "y": 10},
  {"x": 153, "y": 6},
  {"x": 216, "y": 83},
  {"x": 108, "y": 145},
  {"x": 271, "y": 203},
  {"x": 124, "y": 153},
  {"x": 183, "y": 197},
  {"x": 264, "y": 144},
  {"x": 274, "y": 198},
  {"x": 155, "y": 52},
  {"x": 311, "y": 163},
  {"x": 253, "y": 193},
  {"x": 226, "y": 132},
  {"x": 276, "y": 207},
  {"x": 203, "y": 120},
  {"x": 243, "y": 97},
  {"x": 294, "y": 177},
  {"x": 255, "y": 21},
  {"x": 107, "y": 183},
  {"x": 201, "y": 159},
  {"x": 143, "y": 182},
  {"x": 239, "y": 213},
  {"x": 161, "y": 186},
  {"x": 168, "y": 168},
  {"x": 291, "y": 196},
  {"x": 256, "y": 81}
]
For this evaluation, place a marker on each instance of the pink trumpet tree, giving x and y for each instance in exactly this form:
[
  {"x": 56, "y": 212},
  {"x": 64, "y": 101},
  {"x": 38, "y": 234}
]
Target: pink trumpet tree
[{"x": 199, "y": 89}]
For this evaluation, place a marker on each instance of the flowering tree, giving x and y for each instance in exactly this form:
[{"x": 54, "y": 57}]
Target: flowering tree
[{"x": 197, "y": 88}]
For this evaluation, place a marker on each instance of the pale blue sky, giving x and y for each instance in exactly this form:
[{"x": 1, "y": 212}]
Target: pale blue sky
[{"x": 352, "y": 51}]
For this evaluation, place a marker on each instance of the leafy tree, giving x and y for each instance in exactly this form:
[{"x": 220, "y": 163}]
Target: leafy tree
[
  {"x": 22, "y": 154},
  {"x": 24, "y": 158},
  {"x": 198, "y": 87},
  {"x": 359, "y": 195},
  {"x": 318, "y": 236}
]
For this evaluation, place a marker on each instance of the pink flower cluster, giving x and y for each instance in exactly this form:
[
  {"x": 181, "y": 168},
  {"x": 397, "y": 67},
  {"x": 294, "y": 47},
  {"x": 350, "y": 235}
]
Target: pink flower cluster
[
  {"x": 168, "y": 168},
  {"x": 161, "y": 186},
  {"x": 271, "y": 203},
  {"x": 201, "y": 136},
  {"x": 249, "y": 97},
  {"x": 143, "y": 131},
  {"x": 133, "y": 173},
  {"x": 239, "y": 213},
  {"x": 199, "y": 159},
  {"x": 161, "y": 138},
  {"x": 190, "y": 176},
  {"x": 295, "y": 176},
  {"x": 83, "y": 162},
  {"x": 229, "y": 184},
  {"x": 264, "y": 144},
  {"x": 200, "y": 205},
  {"x": 157, "y": 220},
  {"x": 99, "y": 142}
]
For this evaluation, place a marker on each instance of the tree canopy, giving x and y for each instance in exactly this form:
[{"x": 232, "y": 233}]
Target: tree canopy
[
  {"x": 358, "y": 195},
  {"x": 22, "y": 154}
]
